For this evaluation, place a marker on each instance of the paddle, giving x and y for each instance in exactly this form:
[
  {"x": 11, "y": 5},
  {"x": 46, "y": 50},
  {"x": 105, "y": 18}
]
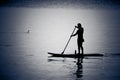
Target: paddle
[{"x": 68, "y": 42}]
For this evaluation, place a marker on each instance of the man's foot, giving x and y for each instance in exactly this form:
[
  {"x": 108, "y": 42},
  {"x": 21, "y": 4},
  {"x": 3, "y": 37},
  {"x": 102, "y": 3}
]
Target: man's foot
[{"x": 82, "y": 55}]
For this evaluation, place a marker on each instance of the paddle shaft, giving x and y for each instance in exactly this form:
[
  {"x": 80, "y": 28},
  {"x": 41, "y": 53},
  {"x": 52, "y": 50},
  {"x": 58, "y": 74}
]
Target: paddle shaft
[{"x": 68, "y": 41}]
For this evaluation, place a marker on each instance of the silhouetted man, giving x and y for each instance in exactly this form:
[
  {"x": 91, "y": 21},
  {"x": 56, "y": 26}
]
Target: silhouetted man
[{"x": 80, "y": 38}]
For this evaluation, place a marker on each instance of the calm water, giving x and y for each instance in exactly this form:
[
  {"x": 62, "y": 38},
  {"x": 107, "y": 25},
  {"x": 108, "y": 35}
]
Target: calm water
[{"x": 23, "y": 53}]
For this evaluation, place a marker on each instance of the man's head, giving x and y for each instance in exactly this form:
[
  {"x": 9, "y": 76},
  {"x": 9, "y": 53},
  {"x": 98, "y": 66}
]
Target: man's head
[{"x": 79, "y": 25}]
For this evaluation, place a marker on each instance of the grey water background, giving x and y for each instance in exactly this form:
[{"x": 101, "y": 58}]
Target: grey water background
[{"x": 23, "y": 53}]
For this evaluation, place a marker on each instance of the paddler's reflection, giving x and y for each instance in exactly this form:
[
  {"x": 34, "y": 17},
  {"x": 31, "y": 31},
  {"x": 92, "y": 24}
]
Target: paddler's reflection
[{"x": 79, "y": 71}]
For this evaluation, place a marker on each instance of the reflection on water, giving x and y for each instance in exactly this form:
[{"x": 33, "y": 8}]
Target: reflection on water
[
  {"x": 79, "y": 72},
  {"x": 79, "y": 67}
]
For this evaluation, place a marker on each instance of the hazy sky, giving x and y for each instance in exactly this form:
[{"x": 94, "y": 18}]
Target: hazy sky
[{"x": 62, "y": 3}]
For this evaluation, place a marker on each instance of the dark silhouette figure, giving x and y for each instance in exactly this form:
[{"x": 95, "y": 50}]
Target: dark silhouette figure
[{"x": 80, "y": 38}]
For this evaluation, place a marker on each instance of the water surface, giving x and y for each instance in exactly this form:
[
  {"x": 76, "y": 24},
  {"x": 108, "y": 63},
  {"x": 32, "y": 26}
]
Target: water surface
[{"x": 23, "y": 53}]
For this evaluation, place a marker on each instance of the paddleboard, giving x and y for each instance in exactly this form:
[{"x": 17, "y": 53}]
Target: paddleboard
[{"x": 76, "y": 55}]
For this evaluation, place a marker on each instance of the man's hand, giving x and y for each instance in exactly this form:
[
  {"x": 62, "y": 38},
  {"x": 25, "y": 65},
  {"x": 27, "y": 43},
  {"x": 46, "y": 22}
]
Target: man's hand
[
  {"x": 76, "y": 27},
  {"x": 71, "y": 36}
]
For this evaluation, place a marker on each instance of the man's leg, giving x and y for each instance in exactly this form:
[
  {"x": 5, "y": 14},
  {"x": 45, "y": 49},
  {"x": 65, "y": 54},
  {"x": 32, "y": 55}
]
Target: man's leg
[
  {"x": 78, "y": 49},
  {"x": 82, "y": 48},
  {"x": 78, "y": 43}
]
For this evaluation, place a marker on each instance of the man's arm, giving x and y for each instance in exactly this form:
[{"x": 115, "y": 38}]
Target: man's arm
[{"x": 74, "y": 34}]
